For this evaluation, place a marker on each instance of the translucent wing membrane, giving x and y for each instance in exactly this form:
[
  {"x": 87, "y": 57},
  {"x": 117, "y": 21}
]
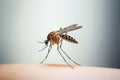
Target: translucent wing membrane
[{"x": 69, "y": 28}]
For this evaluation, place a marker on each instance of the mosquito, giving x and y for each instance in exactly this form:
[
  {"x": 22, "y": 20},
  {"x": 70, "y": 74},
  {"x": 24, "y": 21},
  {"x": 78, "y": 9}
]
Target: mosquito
[{"x": 56, "y": 37}]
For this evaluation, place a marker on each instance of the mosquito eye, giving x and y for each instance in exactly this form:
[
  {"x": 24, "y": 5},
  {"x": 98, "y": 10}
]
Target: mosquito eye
[{"x": 50, "y": 37}]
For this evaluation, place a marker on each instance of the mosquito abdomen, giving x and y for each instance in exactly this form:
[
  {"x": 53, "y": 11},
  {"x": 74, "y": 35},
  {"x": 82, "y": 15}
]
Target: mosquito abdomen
[{"x": 68, "y": 38}]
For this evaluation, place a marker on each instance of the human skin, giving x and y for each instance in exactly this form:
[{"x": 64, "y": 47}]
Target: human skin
[{"x": 56, "y": 72}]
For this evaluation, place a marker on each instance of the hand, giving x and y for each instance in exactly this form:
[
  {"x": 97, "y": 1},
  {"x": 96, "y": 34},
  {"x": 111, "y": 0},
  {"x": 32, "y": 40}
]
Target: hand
[{"x": 56, "y": 72}]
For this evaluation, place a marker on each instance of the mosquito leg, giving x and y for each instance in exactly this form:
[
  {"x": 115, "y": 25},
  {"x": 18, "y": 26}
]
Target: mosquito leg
[
  {"x": 43, "y": 48},
  {"x": 67, "y": 55},
  {"x": 63, "y": 57},
  {"x": 47, "y": 53}
]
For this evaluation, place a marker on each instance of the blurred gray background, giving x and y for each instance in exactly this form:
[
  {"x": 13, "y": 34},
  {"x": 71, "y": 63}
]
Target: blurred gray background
[{"x": 24, "y": 22}]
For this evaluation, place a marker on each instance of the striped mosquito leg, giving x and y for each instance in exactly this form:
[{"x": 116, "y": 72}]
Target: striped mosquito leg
[
  {"x": 49, "y": 49},
  {"x": 63, "y": 57},
  {"x": 67, "y": 55}
]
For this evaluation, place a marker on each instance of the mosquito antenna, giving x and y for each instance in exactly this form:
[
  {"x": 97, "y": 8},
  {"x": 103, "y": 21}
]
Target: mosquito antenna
[
  {"x": 40, "y": 42},
  {"x": 42, "y": 38},
  {"x": 43, "y": 41}
]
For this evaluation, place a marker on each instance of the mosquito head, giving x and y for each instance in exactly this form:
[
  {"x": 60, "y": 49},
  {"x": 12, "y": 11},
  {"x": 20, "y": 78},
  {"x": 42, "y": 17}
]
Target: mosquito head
[
  {"x": 49, "y": 37},
  {"x": 46, "y": 42}
]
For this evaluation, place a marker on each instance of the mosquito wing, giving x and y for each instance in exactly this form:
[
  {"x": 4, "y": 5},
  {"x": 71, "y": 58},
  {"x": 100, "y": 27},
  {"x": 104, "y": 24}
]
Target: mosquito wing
[{"x": 69, "y": 28}]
